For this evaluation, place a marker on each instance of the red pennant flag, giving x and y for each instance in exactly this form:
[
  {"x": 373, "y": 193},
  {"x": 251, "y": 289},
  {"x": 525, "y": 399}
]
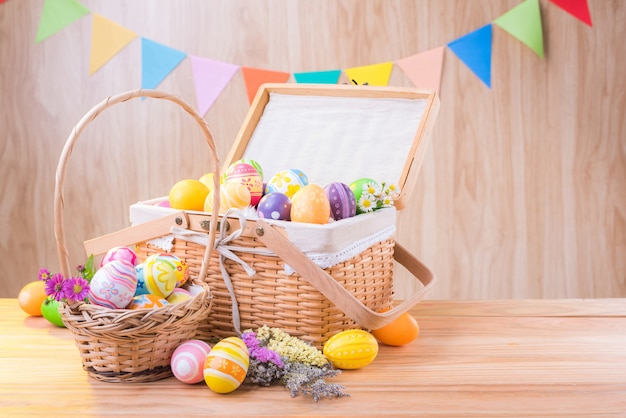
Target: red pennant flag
[
  {"x": 254, "y": 77},
  {"x": 577, "y": 8}
]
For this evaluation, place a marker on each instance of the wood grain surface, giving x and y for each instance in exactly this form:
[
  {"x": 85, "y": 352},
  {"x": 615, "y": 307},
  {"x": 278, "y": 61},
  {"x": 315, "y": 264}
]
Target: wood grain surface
[
  {"x": 505, "y": 358},
  {"x": 522, "y": 192}
]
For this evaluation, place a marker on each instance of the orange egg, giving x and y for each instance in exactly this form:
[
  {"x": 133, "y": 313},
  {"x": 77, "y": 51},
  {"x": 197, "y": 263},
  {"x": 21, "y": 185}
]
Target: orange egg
[
  {"x": 31, "y": 297},
  {"x": 400, "y": 331},
  {"x": 310, "y": 204}
]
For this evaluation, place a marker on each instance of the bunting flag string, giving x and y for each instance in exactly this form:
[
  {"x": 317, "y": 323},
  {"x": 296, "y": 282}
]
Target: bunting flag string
[{"x": 423, "y": 69}]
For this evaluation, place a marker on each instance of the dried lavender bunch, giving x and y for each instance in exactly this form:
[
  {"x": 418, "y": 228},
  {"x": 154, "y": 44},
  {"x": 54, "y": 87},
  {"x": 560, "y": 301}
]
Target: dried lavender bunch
[
  {"x": 310, "y": 380},
  {"x": 263, "y": 373}
]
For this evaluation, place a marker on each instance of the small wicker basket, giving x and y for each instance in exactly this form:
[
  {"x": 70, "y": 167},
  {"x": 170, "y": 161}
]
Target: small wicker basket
[{"x": 120, "y": 345}]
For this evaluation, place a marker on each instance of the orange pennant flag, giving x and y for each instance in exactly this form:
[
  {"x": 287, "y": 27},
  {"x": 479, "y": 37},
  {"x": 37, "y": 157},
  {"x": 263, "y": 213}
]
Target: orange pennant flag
[
  {"x": 255, "y": 77},
  {"x": 374, "y": 75},
  {"x": 107, "y": 39},
  {"x": 424, "y": 69}
]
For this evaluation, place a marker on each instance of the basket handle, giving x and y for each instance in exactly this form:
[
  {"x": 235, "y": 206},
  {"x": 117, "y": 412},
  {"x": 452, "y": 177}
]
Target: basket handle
[
  {"x": 337, "y": 294},
  {"x": 59, "y": 229}
]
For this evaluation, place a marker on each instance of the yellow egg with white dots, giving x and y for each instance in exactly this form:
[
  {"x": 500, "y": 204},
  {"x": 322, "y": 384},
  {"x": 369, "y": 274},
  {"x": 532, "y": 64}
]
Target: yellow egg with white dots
[{"x": 351, "y": 349}]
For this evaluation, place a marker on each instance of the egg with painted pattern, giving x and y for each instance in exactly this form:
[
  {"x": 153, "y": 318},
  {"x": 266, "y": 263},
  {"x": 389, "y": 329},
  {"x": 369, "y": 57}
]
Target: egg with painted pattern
[
  {"x": 351, "y": 349},
  {"x": 232, "y": 195},
  {"x": 310, "y": 204},
  {"x": 188, "y": 360},
  {"x": 226, "y": 365},
  {"x": 147, "y": 301},
  {"x": 160, "y": 274},
  {"x": 119, "y": 253},
  {"x": 247, "y": 175},
  {"x": 113, "y": 285},
  {"x": 287, "y": 182},
  {"x": 341, "y": 199},
  {"x": 179, "y": 295},
  {"x": 275, "y": 206}
]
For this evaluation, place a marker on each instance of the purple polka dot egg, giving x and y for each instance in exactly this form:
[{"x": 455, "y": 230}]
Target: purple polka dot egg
[
  {"x": 341, "y": 199},
  {"x": 275, "y": 206}
]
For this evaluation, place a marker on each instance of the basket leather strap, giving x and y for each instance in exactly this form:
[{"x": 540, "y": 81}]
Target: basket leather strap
[{"x": 275, "y": 240}]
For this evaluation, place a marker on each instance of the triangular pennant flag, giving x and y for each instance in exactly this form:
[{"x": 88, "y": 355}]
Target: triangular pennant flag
[
  {"x": 318, "y": 77},
  {"x": 577, "y": 8},
  {"x": 374, "y": 75},
  {"x": 424, "y": 69},
  {"x": 254, "y": 77},
  {"x": 56, "y": 15},
  {"x": 524, "y": 22},
  {"x": 157, "y": 61},
  {"x": 210, "y": 78},
  {"x": 107, "y": 39},
  {"x": 474, "y": 49}
]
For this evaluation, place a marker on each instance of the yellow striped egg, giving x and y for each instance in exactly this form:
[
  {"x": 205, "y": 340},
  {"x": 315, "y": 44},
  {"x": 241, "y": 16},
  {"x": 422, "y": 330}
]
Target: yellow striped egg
[
  {"x": 226, "y": 365},
  {"x": 351, "y": 349}
]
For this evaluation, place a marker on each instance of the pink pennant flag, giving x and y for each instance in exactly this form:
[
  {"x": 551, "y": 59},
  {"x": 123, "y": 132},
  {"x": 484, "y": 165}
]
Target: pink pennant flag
[
  {"x": 424, "y": 69},
  {"x": 210, "y": 77}
]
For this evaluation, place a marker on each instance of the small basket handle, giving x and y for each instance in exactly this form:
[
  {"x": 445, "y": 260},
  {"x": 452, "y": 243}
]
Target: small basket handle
[
  {"x": 59, "y": 229},
  {"x": 337, "y": 294}
]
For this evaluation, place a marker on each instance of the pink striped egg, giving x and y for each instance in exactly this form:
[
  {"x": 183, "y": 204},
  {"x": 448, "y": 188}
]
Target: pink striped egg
[
  {"x": 119, "y": 253},
  {"x": 188, "y": 361},
  {"x": 113, "y": 285}
]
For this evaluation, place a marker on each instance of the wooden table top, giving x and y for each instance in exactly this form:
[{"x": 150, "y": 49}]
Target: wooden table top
[{"x": 473, "y": 358}]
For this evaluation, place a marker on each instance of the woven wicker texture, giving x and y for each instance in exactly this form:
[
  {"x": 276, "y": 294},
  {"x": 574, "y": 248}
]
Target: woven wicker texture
[
  {"x": 276, "y": 299},
  {"x": 120, "y": 345}
]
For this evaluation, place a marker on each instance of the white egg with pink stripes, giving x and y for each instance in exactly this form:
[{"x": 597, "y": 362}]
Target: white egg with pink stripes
[{"x": 188, "y": 361}]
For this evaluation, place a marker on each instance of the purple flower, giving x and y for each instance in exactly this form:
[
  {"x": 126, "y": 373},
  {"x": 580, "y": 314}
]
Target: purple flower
[
  {"x": 44, "y": 274},
  {"x": 54, "y": 286},
  {"x": 262, "y": 354},
  {"x": 76, "y": 289}
]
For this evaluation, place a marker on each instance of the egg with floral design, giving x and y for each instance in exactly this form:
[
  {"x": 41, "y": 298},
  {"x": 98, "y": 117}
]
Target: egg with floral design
[
  {"x": 226, "y": 365},
  {"x": 310, "y": 204},
  {"x": 160, "y": 274},
  {"x": 341, "y": 199},
  {"x": 287, "y": 182},
  {"x": 113, "y": 285},
  {"x": 246, "y": 174},
  {"x": 147, "y": 301}
]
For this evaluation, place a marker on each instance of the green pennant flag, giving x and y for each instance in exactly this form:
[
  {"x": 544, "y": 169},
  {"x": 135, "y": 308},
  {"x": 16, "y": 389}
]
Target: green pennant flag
[
  {"x": 56, "y": 15},
  {"x": 524, "y": 22}
]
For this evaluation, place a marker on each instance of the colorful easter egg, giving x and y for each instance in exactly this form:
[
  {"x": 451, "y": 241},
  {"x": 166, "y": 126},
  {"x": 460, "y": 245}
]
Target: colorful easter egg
[
  {"x": 247, "y": 175},
  {"x": 310, "y": 204},
  {"x": 148, "y": 301},
  {"x": 179, "y": 295},
  {"x": 119, "y": 253},
  {"x": 181, "y": 268},
  {"x": 188, "y": 361},
  {"x": 141, "y": 281},
  {"x": 253, "y": 163},
  {"x": 226, "y": 365},
  {"x": 113, "y": 285},
  {"x": 362, "y": 187},
  {"x": 341, "y": 199},
  {"x": 351, "y": 349},
  {"x": 232, "y": 195},
  {"x": 160, "y": 274},
  {"x": 275, "y": 205},
  {"x": 287, "y": 182}
]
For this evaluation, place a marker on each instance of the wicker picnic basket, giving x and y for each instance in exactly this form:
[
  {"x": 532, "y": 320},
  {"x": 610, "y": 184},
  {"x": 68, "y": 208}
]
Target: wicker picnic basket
[
  {"x": 122, "y": 345},
  {"x": 248, "y": 274}
]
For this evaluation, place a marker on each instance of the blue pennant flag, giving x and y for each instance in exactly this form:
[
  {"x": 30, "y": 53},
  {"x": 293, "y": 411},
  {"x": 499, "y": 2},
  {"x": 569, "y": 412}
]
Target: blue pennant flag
[
  {"x": 318, "y": 77},
  {"x": 474, "y": 49},
  {"x": 157, "y": 62}
]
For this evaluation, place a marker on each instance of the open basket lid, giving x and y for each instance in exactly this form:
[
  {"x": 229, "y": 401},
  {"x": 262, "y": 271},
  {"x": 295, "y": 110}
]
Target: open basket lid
[{"x": 339, "y": 133}]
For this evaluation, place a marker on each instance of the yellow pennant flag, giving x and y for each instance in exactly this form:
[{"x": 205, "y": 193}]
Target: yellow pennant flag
[
  {"x": 373, "y": 75},
  {"x": 107, "y": 39}
]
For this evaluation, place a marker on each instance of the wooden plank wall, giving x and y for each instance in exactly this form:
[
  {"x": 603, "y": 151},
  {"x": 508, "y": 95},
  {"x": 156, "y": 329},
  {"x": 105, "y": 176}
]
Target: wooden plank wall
[{"x": 522, "y": 193}]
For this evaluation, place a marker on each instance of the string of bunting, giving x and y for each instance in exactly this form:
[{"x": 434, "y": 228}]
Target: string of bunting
[{"x": 108, "y": 38}]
